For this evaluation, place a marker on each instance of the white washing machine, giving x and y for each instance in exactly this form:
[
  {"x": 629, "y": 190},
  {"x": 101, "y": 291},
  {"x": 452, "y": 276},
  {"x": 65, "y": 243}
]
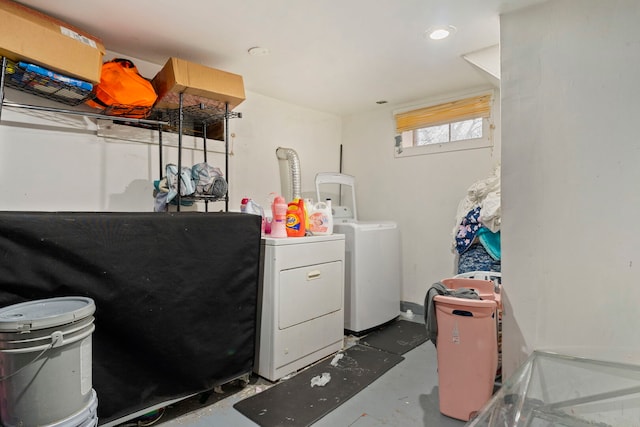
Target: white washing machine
[{"x": 372, "y": 263}]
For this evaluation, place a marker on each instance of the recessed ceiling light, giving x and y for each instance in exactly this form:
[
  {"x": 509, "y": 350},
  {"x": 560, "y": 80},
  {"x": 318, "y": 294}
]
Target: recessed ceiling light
[
  {"x": 258, "y": 51},
  {"x": 440, "y": 32}
]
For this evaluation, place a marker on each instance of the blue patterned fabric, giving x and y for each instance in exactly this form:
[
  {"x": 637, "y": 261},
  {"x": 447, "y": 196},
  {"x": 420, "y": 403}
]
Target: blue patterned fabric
[
  {"x": 467, "y": 230},
  {"x": 472, "y": 231},
  {"x": 476, "y": 258}
]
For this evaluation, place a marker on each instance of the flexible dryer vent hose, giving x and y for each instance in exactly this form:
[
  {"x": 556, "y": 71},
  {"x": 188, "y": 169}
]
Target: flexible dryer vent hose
[{"x": 293, "y": 163}]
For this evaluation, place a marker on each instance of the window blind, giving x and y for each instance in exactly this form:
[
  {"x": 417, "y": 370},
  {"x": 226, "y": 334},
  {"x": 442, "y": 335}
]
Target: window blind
[{"x": 454, "y": 111}]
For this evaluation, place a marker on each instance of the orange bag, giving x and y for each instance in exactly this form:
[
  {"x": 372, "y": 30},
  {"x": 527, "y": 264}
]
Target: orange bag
[{"x": 122, "y": 91}]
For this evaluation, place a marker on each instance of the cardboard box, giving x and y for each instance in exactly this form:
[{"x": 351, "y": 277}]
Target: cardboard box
[
  {"x": 30, "y": 36},
  {"x": 198, "y": 83}
]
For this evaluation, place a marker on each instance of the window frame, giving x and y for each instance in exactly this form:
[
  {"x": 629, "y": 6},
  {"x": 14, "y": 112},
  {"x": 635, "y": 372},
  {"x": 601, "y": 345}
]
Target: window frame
[{"x": 404, "y": 148}]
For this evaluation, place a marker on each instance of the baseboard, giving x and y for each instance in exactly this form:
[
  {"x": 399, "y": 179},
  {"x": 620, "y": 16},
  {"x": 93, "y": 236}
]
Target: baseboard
[{"x": 414, "y": 307}]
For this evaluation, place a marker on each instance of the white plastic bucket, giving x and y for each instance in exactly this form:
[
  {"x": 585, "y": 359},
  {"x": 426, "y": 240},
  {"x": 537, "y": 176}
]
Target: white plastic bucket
[
  {"x": 46, "y": 363},
  {"x": 86, "y": 417}
]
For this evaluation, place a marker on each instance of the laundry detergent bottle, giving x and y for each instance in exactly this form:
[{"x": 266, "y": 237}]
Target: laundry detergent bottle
[
  {"x": 279, "y": 217},
  {"x": 296, "y": 219},
  {"x": 320, "y": 219},
  {"x": 308, "y": 207}
]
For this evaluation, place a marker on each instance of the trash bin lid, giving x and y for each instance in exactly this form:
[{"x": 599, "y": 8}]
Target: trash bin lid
[{"x": 45, "y": 313}]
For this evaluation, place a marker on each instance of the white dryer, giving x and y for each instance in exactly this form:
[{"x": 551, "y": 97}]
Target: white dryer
[
  {"x": 372, "y": 263},
  {"x": 300, "y": 303}
]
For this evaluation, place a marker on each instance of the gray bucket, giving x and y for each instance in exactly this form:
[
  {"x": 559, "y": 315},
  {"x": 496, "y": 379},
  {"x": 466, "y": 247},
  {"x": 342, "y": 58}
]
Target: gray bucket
[
  {"x": 86, "y": 417},
  {"x": 46, "y": 363}
]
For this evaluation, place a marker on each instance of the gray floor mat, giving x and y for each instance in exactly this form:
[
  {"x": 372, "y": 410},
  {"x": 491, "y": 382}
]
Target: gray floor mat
[
  {"x": 294, "y": 402},
  {"x": 397, "y": 337}
]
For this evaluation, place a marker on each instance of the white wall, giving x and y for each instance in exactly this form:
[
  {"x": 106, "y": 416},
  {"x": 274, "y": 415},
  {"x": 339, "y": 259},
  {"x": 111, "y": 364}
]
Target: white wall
[
  {"x": 570, "y": 174},
  {"x": 421, "y": 193},
  {"x": 268, "y": 124},
  {"x": 53, "y": 162}
]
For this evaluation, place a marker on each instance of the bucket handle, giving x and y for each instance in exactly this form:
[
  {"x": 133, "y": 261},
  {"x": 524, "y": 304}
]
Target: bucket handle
[
  {"x": 57, "y": 340},
  {"x": 50, "y": 346}
]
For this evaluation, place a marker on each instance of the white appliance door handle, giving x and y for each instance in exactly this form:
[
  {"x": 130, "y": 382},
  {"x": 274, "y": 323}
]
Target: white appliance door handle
[{"x": 313, "y": 274}]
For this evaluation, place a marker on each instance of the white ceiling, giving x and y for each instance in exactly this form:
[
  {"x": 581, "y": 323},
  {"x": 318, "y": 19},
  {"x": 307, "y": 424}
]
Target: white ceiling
[{"x": 339, "y": 56}]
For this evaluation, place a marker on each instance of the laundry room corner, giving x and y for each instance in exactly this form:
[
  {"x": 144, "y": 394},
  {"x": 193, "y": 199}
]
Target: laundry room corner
[{"x": 421, "y": 193}]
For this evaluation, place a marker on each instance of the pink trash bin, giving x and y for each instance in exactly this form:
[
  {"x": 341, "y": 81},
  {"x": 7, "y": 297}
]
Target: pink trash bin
[{"x": 467, "y": 349}]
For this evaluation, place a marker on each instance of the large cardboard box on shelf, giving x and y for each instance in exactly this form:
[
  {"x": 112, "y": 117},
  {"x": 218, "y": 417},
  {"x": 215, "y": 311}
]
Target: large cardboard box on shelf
[
  {"x": 199, "y": 84},
  {"x": 31, "y": 36}
]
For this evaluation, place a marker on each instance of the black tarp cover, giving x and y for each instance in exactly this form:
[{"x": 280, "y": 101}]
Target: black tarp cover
[{"x": 175, "y": 295}]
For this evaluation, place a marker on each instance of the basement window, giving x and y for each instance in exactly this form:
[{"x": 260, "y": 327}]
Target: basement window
[{"x": 460, "y": 124}]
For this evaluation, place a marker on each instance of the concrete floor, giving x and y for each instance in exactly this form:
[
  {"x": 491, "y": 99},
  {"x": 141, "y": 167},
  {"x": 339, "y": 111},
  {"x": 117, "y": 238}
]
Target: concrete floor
[{"x": 405, "y": 396}]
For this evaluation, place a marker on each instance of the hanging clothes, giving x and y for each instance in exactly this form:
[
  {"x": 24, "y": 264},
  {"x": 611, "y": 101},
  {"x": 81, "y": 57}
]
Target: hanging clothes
[
  {"x": 491, "y": 242},
  {"x": 478, "y": 226},
  {"x": 476, "y": 258},
  {"x": 485, "y": 195},
  {"x": 467, "y": 230}
]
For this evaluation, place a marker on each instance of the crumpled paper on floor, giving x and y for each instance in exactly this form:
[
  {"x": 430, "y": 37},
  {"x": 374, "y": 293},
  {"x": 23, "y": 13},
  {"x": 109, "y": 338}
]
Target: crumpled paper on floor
[{"x": 321, "y": 380}]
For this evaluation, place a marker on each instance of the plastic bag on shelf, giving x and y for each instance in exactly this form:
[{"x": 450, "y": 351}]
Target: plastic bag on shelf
[
  {"x": 187, "y": 186},
  {"x": 208, "y": 180}
]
